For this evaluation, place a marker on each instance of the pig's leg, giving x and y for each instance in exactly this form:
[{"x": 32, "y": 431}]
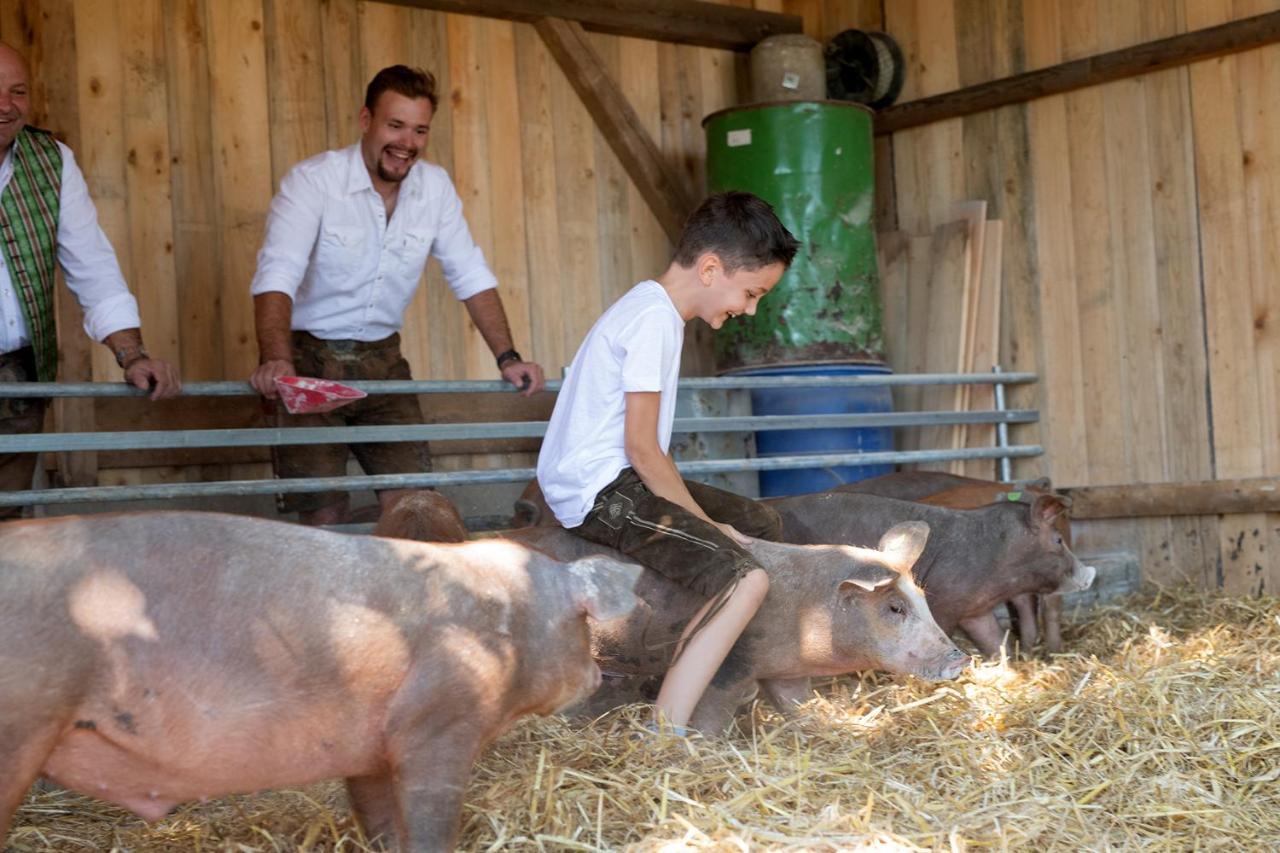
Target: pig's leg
[
  {"x": 786, "y": 693},
  {"x": 373, "y": 800},
  {"x": 985, "y": 632},
  {"x": 719, "y": 704},
  {"x": 1025, "y": 605},
  {"x": 433, "y": 767},
  {"x": 1051, "y": 607},
  {"x": 24, "y": 749}
]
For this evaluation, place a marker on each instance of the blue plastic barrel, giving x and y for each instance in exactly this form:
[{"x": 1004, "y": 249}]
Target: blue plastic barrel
[{"x": 820, "y": 401}]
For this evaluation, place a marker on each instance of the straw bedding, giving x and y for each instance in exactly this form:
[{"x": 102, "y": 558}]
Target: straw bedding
[{"x": 1161, "y": 731}]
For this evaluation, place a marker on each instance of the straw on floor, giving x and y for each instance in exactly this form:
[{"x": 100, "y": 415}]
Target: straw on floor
[{"x": 1161, "y": 730}]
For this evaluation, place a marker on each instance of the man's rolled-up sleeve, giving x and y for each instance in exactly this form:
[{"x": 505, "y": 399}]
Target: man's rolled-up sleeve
[
  {"x": 461, "y": 259},
  {"x": 88, "y": 262},
  {"x": 292, "y": 226}
]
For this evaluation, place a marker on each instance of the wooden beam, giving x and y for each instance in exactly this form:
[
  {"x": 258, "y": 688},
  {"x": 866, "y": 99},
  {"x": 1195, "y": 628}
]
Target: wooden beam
[
  {"x": 1140, "y": 500},
  {"x": 626, "y": 134},
  {"x": 681, "y": 21},
  {"x": 1233, "y": 37}
]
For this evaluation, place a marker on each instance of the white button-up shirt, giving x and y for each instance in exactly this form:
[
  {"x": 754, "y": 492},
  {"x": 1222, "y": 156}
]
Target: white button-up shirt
[
  {"x": 88, "y": 263},
  {"x": 350, "y": 272}
]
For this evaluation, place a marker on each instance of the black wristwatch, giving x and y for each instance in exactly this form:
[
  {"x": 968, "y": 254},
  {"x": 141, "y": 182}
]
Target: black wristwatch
[{"x": 509, "y": 355}]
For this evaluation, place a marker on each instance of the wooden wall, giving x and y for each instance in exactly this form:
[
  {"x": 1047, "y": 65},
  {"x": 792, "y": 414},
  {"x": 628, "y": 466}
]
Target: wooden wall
[{"x": 1139, "y": 252}]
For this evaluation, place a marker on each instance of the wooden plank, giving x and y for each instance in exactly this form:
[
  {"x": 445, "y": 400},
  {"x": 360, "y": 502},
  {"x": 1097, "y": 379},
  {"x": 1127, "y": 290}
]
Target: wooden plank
[
  {"x": 974, "y": 214},
  {"x": 612, "y": 184},
  {"x": 650, "y": 247},
  {"x": 985, "y": 349},
  {"x": 434, "y": 308},
  {"x": 538, "y": 157},
  {"x": 948, "y": 305},
  {"x": 1207, "y": 497},
  {"x": 1062, "y": 380},
  {"x": 240, "y": 122},
  {"x": 344, "y": 79},
  {"x": 919, "y": 275},
  {"x": 618, "y": 122},
  {"x": 893, "y": 257},
  {"x": 1192, "y": 551},
  {"x": 148, "y": 180},
  {"x": 928, "y": 162},
  {"x": 681, "y": 21},
  {"x": 467, "y": 72},
  {"x": 1225, "y": 256},
  {"x": 197, "y": 254},
  {"x": 295, "y": 66},
  {"x": 1259, "y": 75},
  {"x": 1203, "y": 44},
  {"x": 580, "y": 294}
]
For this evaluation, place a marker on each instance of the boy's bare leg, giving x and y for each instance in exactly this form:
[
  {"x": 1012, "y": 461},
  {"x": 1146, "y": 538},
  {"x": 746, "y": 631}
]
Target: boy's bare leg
[{"x": 706, "y": 650}]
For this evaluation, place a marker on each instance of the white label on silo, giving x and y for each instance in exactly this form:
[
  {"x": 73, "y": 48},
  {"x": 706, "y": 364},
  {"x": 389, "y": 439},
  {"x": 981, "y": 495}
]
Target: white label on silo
[
  {"x": 739, "y": 137},
  {"x": 791, "y": 80}
]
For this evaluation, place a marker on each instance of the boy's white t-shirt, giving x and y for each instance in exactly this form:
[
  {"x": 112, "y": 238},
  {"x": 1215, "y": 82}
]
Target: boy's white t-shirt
[{"x": 634, "y": 346}]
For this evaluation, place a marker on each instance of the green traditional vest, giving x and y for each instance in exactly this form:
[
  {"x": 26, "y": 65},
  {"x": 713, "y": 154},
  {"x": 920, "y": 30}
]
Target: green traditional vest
[{"x": 29, "y": 210}]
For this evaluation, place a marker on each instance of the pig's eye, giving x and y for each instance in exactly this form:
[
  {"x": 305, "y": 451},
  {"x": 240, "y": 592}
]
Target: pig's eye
[
  {"x": 898, "y": 608},
  {"x": 1057, "y": 539}
]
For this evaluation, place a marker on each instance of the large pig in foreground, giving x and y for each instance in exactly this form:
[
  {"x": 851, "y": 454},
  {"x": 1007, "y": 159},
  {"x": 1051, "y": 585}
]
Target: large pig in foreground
[
  {"x": 950, "y": 490},
  {"x": 151, "y": 659},
  {"x": 830, "y": 610},
  {"x": 975, "y": 558}
]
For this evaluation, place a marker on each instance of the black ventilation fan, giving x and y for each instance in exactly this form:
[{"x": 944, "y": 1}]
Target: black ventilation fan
[{"x": 865, "y": 67}]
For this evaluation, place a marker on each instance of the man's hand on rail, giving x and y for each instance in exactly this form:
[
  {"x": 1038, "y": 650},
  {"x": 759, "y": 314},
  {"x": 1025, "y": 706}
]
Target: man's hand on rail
[
  {"x": 264, "y": 378},
  {"x": 525, "y": 375},
  {"x": 151, "y": 373}
]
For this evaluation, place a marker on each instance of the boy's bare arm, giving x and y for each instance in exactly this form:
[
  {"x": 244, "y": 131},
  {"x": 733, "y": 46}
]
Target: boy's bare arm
[{"x": 656, "y": 469}]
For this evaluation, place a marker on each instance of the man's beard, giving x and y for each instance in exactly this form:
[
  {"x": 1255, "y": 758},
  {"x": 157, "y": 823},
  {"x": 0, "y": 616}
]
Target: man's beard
[{"x": 391, "y": 177}]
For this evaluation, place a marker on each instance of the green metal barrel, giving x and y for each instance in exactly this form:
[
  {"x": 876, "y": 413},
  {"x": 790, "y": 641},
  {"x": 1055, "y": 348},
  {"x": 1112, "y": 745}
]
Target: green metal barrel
[{"x": 812, "y": 160}]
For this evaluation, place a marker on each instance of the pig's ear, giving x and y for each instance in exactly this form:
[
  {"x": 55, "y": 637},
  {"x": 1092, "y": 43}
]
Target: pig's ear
[
  {"x": 903, "y": 543},
  {"x": 867, "y": 577},
  {"x": 1046, "y": 509},
  {"x": 603, "y": 587},
  {"x": 1040, "y": 484}
]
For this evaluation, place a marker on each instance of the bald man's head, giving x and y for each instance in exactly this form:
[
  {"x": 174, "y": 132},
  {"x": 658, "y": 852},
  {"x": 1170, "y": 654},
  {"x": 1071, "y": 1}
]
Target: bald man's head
[{"x": 14, "y": 94}]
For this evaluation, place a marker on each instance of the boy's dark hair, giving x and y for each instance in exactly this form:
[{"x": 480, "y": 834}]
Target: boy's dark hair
[
  {"x": 403, "y": 80},
  {"x": 739, "y": 227}
]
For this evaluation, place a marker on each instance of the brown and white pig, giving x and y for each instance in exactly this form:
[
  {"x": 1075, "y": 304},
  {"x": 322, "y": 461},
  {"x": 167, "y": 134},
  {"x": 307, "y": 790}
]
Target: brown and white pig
[
  {"x": 975, "y": 559},
  {"x": 153, "y": 658},
  {"x": 830, "y": 610},
  {"x": 950, "y": 490}
]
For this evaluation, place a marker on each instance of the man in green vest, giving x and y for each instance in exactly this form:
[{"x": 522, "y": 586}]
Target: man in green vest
[{"x": 47, "y": 220}]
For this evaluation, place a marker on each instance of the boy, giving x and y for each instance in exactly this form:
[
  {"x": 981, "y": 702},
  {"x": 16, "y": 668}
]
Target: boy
[{"x": 604, "y": 468}]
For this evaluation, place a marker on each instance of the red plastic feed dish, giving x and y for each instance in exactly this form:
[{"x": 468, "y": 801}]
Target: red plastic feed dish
[{"x": 303, "y": 395}]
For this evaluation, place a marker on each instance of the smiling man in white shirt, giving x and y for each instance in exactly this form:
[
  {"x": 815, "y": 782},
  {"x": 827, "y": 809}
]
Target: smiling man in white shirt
[
  {"x": 347, "y": 239},
  {"x": 47, "y": 219}
]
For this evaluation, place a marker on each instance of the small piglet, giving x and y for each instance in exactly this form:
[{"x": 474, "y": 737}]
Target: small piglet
[{"x": 154, "y": 658}]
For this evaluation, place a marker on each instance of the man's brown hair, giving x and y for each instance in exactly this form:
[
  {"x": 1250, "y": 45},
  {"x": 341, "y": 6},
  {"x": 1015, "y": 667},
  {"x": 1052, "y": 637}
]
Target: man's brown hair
[{"x": 403, "y": 80}]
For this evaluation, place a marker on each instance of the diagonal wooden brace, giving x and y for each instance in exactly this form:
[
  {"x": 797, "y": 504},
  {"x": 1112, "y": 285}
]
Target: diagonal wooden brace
[{"x": 669, "y": 197}]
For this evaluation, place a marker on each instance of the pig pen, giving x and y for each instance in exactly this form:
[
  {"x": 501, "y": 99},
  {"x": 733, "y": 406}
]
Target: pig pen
[{"x": 1160, "y": 729}]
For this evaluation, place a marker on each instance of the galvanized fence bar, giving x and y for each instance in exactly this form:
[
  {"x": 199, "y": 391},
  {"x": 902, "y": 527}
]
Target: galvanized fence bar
[
  {"x": 264, "y": 436},
  {"x": 693, "y": 383},
  {"x": 503, "y": 475}
]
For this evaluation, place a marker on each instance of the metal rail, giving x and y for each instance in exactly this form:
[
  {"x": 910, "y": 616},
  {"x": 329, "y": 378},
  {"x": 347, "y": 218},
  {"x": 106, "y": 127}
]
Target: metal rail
[{"x": 155, "y": 440}]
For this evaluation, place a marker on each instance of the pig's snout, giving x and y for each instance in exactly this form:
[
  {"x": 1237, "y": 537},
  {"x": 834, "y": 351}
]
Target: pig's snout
[
  {"x": 1081, "y": 578},
  {"x": 953, "y": 663}
]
